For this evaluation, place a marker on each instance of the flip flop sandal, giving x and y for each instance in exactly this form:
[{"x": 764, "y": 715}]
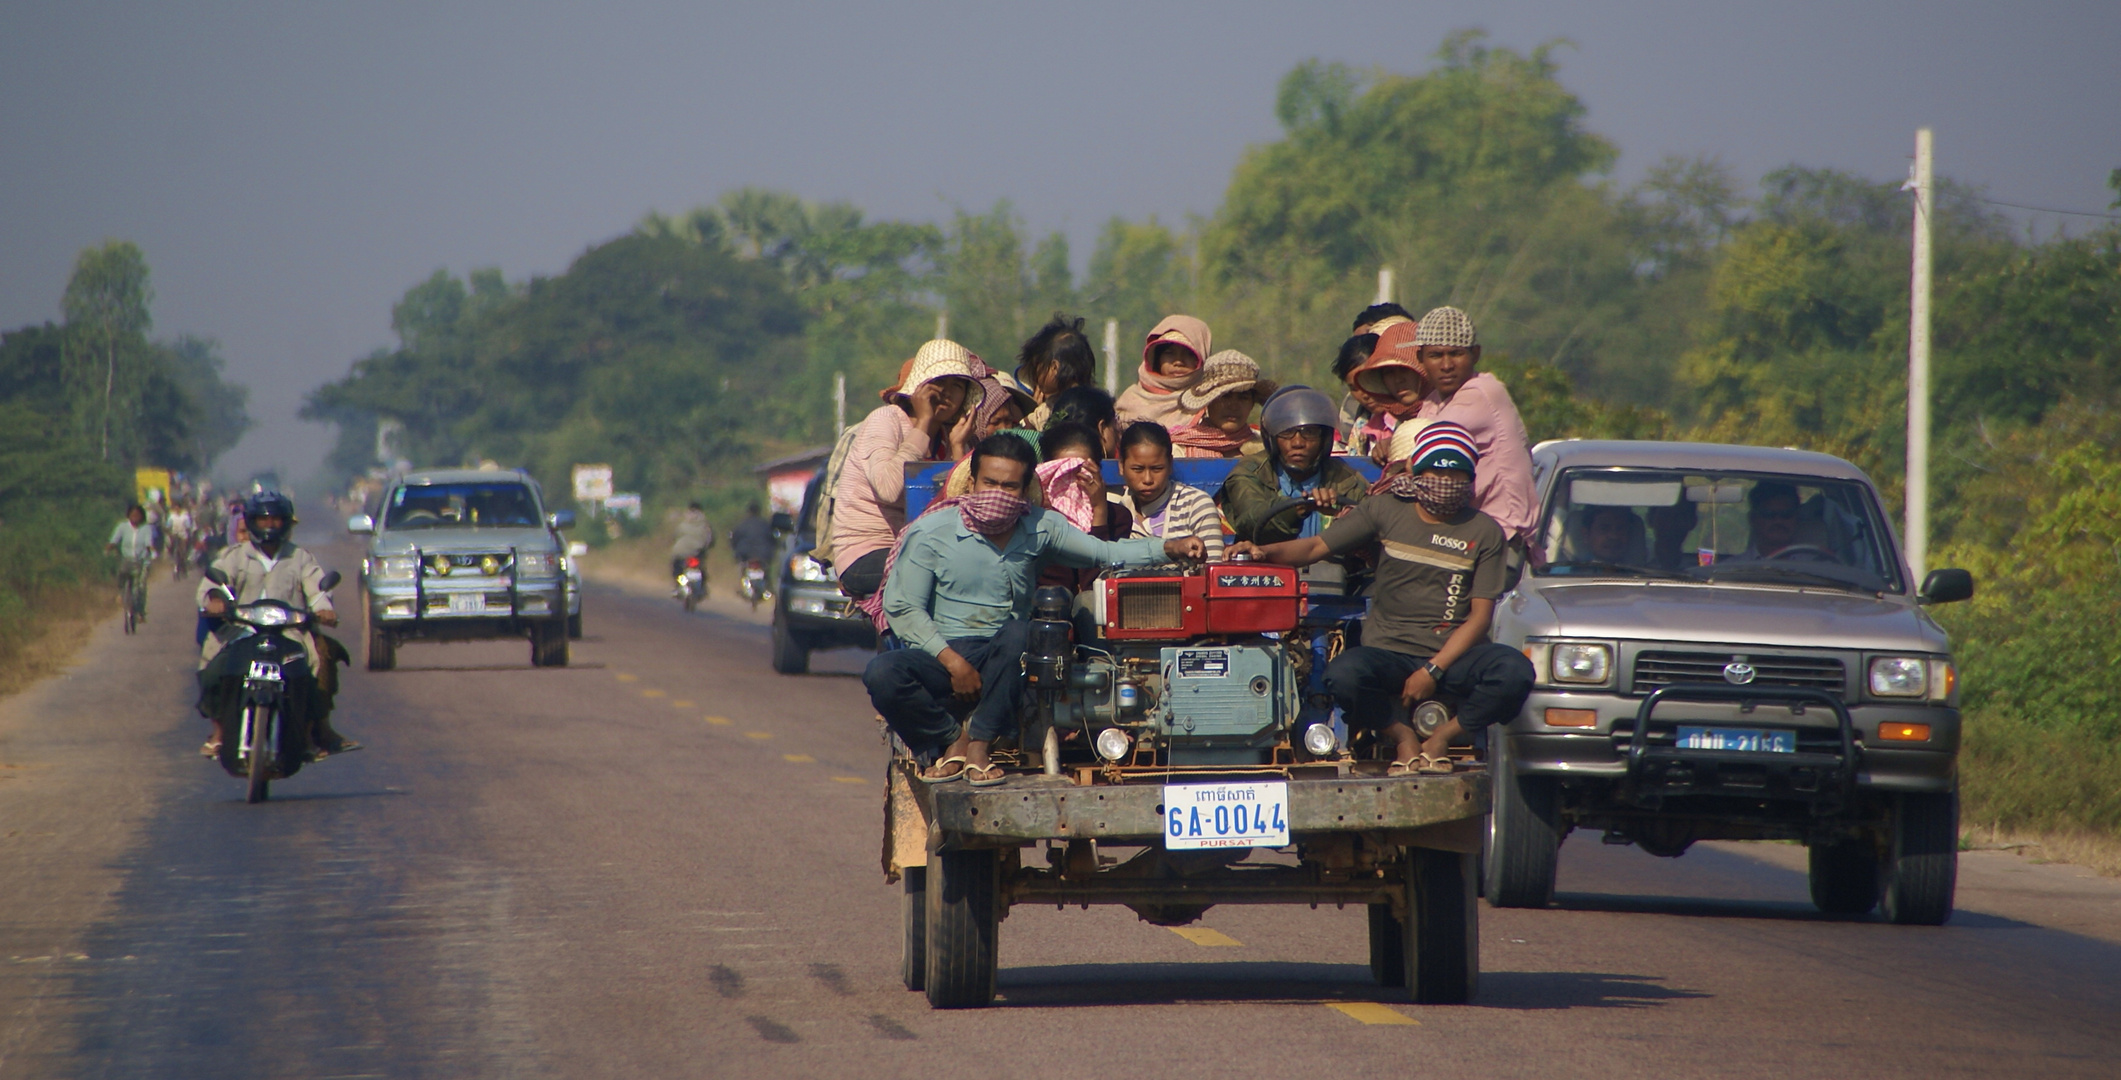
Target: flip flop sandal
[
  {"x": 212, "y": 748},
  {"x": 947, "y": 777},
  {"x": 993, "y": 772},
  {"x": 1403, "y": 768},
  {"x": 1435, "y": 766}
]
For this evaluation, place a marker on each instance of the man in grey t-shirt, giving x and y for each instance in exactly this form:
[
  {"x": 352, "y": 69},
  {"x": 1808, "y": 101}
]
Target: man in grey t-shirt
[{"x": 1440, "y": 570}]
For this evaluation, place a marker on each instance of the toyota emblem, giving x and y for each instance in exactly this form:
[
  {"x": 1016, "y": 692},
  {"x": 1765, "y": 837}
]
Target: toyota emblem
[{"x": 1738, "y": 673}]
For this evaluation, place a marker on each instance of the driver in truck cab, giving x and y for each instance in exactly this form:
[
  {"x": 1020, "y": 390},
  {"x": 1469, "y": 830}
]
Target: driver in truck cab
[
  {"x": 268, "y": 566},
  {"x": 1427, "y": 632},
  {"x": 958, "y": 590}
]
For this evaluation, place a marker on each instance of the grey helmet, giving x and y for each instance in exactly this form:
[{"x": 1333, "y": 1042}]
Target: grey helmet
[{"x": 1295, "y": 407}]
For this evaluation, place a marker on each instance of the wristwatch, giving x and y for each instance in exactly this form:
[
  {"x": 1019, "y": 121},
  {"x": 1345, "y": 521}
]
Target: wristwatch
[{"x": 1435, "y": 672}]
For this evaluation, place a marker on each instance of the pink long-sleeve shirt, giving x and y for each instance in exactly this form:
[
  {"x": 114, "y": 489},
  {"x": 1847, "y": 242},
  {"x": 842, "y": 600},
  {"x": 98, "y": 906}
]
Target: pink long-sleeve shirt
[
  {"x": 1502, "y": 480},
  {"x": 869, "y": 505}
]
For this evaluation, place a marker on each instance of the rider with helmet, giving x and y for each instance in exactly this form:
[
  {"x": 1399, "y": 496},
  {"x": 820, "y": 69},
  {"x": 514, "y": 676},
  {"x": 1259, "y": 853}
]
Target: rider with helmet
[
  {"x": 268, "y": 566},
  {"x": 1298, "y": 425}
]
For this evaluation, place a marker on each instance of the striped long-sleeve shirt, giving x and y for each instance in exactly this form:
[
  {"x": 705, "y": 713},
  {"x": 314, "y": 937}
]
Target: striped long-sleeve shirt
[{"x": 1183, "y": 511}]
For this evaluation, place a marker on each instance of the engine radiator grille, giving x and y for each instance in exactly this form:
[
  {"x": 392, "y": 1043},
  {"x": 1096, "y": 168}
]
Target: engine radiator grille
[{"x": 1149, "y": 605}]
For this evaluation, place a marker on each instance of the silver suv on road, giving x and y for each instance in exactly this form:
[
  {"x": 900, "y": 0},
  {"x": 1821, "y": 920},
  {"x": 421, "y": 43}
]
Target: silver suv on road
[
  {"x": 461, "y": 555},
  {"x": 1728, "y": 647}
]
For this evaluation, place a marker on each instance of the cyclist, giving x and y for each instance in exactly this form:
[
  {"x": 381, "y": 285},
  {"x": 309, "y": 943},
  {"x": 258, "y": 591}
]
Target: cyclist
[{"x": 134, "y": 541}]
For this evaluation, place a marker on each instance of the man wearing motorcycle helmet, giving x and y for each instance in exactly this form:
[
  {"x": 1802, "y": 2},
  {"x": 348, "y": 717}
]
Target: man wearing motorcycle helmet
[
  {"x": 1297, "y": 463},
  {"x": 268, "y": 566}
]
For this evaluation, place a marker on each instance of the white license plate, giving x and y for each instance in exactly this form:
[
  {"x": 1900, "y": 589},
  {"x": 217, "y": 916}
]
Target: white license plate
[
  {"x": 1226, "y": 815},
  {"x": 265, "y": 671},
  {"x": 467, "y": 603},
  {"x": 1744, "y": 740}
]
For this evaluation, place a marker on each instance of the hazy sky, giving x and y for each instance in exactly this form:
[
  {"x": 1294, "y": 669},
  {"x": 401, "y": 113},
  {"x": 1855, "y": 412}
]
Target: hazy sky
[{"x": 290, "y": 168}]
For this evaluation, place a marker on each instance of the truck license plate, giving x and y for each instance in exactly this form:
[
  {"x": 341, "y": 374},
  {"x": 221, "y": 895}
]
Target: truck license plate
[
  {"x": 1745, "y": 740},
  {"x": 467, "y": 603},
  {"x": 1226, "y": 815}
]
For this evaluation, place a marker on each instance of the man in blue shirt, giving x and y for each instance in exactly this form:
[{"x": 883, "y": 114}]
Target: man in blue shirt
[{"x": 959, "y": 595}]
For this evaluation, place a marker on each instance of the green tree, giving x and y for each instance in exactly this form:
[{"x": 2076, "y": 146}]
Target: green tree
[
  {"x": 1139, "y": 272},
  {"x": 106, "y": 305}
]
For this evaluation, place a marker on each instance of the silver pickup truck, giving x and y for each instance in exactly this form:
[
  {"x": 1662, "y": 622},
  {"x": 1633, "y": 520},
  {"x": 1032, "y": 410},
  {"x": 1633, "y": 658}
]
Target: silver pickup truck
[
  {"x": 1728, "y": 647},
  {"x": 461, "y": 555}
]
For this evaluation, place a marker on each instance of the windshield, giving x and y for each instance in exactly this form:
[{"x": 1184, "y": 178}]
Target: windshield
[
  {"x": 1703, "y": 526},
  {"x": 502, "y": 504}
]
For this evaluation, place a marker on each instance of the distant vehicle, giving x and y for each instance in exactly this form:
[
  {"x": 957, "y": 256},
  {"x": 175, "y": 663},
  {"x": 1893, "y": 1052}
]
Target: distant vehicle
[
  {"x": 466, "y": 554},
  {"x": 809, "y": 611},
  {"x": 1729, "y": 648}
]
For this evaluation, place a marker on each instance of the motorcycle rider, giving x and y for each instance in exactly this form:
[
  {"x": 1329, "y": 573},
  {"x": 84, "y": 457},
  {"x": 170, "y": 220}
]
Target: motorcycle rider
[
  {"x": 1296, "y": 463},
  {"x": 694, "y": 537},
  {"x": 751, "y": 539},
  {"x": 268, "y": 566}
]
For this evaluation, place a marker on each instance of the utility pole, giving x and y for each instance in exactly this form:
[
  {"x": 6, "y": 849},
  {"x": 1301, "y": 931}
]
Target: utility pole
[
  {"x": 1918, "y": 364},
  {"x": 1384, "y": 285},
  {"x": 839, "y": 403},
  {"x": 1112, "y": 356},
  {"x": 942, "y": 325}
]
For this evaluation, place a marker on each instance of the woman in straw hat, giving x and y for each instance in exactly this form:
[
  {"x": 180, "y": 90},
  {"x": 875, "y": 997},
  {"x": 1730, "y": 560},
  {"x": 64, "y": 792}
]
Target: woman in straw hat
[
  {"x": 1220, "y": 407},
  {"x": 869, "y": 503}
]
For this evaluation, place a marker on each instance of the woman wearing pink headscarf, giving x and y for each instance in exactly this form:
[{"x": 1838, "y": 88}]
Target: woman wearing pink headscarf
[{"x": 1172, "y": 362}]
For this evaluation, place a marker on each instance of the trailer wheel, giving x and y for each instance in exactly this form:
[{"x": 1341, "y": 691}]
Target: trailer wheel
[
  {"x": 1923, "y": 870},
  {"x": 1442, "y": 928},
  {"x": 962, "y": 920},
  {"x": 1844, "y": 877},
  {"x": 1388, "y": 947},
  {"x": 913, "y": 912},
  {"x": 1523, "y": 838}
]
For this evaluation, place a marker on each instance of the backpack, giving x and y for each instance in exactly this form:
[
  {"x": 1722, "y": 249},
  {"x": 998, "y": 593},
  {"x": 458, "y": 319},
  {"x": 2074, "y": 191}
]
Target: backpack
[{"x": 821, "y": 527}]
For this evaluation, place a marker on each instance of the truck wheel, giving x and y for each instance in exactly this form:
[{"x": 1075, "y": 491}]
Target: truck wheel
[
  {"x": 1388, "y": 947},
  {"x": 1844, "y": 877},
  {"x": 1442, "y": 927},
  {"x": 790, "y": 657},
  {"x": 962, "y": 922},
  {"x": 1923, "y": 870},
  {"x": 382, "y": 651},
  {"x": 1523, "y": 839},
  {"x": 574, "y": 628},
  {"x": 913, "y": 913},
  {"x": 548, "y": 643}
]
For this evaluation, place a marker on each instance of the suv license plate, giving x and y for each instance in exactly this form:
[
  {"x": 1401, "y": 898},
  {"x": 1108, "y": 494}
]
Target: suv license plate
[
  {"x": 265, "y": 671},
  {"x": 1226, "y": 815},
  {"x": 1744, "y": 740},
  {"x": 467, "y": 603}
]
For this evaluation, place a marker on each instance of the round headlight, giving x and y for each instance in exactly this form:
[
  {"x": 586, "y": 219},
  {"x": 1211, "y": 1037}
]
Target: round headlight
[
  {"x": 1320, "y": 740},
  {"x": 440, "y": 564},
  {"x": 489, "y": 566},
  {"x": 1900, "y": 676},
  {"x": 1113, "y": 744}
]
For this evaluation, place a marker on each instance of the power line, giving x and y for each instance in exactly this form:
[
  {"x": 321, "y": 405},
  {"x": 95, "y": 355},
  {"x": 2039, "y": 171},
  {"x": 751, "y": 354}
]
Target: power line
[{"x": 2052, "y": 210}]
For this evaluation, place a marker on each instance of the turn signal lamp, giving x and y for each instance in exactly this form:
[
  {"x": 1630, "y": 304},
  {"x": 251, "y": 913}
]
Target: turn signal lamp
[
  {"x": 1572, "y": 718},
  {"x": 1904, "y": 732}
]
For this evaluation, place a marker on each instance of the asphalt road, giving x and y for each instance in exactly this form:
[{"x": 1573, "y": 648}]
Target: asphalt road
[{"x": 663, "y": 861}]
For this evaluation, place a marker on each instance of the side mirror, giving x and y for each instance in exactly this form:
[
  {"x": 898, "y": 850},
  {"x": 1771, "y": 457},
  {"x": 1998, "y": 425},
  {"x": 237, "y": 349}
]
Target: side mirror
[
  {"x": 1946, "y": 587},
  {"x": 783, "y": 523},
  {"x": 360, "y": 524},
  {"x": 576, "y": 549},
  {"x": 216, "y": 575},
  {"x": 330, "y": 581},
  {"x": 560, "y": 519}
]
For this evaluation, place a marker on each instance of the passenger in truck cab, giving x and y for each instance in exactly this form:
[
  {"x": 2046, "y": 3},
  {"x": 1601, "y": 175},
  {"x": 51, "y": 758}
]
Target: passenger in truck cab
[
  {"x": 869, "y": 501},
  {"x": 958, "y": 592},
  {"x": 1296, "y": 464},
  {"x": 1427, "y": 633}
]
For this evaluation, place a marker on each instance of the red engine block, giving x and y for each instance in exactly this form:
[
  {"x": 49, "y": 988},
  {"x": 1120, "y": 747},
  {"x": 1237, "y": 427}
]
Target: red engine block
[{"x": 1226, "y": 599}]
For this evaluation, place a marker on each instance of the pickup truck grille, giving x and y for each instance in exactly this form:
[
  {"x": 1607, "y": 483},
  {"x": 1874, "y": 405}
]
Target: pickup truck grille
[{"x": 1659, "y": 669}]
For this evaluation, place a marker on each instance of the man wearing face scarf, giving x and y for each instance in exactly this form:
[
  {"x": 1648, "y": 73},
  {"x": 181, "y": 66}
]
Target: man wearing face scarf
[
  {"x": 958, "y": 594},
  {"x": 1427, "y": 633}
]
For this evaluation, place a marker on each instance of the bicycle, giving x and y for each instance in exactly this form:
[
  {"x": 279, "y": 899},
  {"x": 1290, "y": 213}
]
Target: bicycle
[{"x": 132, "y": 593}]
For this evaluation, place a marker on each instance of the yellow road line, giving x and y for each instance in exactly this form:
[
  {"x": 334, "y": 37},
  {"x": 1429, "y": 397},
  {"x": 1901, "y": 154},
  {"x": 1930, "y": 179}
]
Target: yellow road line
[
  {"x": 720, "y": 721},
  {"x": 799, "y": 759},
  {"x": 758, "y": 734},
  {"x": 624, "y": 677},
  {"x": 848, "y": 780},
  {"x": 1201, "y": 935},
  {"x": 653, "y": 693},
  {"x": 1370, "y": 1012}
]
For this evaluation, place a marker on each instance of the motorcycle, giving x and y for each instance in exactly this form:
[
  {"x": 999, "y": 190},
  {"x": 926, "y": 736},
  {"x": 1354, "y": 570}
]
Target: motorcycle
[
  {"x": 269, "y": 652},
  {"x": 753, "y": 582},
  {"x": 691, "y": 582}
]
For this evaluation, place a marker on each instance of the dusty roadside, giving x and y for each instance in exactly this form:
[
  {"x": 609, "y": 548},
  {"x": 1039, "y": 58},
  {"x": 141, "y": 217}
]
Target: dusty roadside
[
  {"x": 85, "y": 756},
  {"x": 640, "y": 568}
]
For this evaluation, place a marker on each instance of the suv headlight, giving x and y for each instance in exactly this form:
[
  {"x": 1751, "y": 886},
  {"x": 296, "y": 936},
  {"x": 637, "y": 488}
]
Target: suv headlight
[
  {"x": 536, "y": 565},
  {"x": 394, "y": 568},
  {"x": 1581, "y": 664},
  {"x": 1900, "y": 676},
  {"x": 802, "y": 567}
]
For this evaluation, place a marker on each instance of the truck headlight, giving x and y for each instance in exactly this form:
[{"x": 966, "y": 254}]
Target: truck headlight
[
  {"x": 537, "y": 565},
  {"x": 802, "y": 567},
  {"x": 1900, "y": 676},
  {"x": 394, "y": 568},
  {"x": 1582, "y": 664},
  {"x": 1113, "y": 744},
  {"x": 1320, "y": 740}
]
